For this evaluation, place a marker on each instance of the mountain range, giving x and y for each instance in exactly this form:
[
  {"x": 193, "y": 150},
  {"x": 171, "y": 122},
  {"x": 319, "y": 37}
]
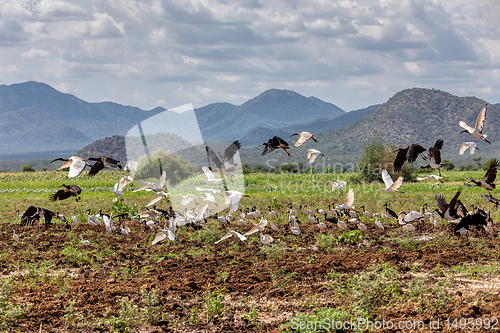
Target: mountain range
[{"x": 35, "y": 117}]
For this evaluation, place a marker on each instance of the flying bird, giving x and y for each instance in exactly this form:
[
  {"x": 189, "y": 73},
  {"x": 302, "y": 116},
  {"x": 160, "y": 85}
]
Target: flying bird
[
  {"x": 74, "y": 163},
  {"x": 118, "y": 188},
  {"x": 211, "y": 180},
  {"x": 273, "y": 143},
  {"x": 103, "y": 162},
  {"x": 131, "y": 166},
  {"x": 348, "y": 202},
  {"x": 338, "y": 185},
  {"x": 186, "y": 199},
  {"x": 448, "y": 211},
  {"x": 68, "y": 191},
  {"x": 224, "y": 164},
  {"x": 435, "y": 177},
  {"x": 491, "y": 199},
  {"x": 233, "y": 199},
  {"x": 477, "y": 131},
  {"x": 434, "y": 157},
  {"x": 303, "y": 138},
  {"x": 409, "y": 153},
  {"x": 312, "y": 154},
  {"x": 465, "y": 145},
  {"x": 390, "y": 185},
  {"x": 488, "y": 180}
]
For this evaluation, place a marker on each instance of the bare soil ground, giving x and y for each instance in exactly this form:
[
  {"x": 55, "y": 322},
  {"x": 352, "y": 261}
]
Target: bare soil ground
[{"x": 260, "y": 290}]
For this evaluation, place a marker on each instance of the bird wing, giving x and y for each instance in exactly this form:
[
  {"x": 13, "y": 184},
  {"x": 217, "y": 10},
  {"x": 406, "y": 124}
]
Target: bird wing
[
  {"x": 157, "y": 198},
  {"x": 76, "y": 166},
  {"x": 234, "y": 202},
  {"x": 413, "y": 151},
  {"x": 98, "y": 166},
  {"x": 387, "y": 179},
  {"x": 213, "y": 156},
  {"x": 397, "y": 183},
  {"x": 491, "y": 174},
  {"x": 60, "y": 195},
  {"x": 472, "y": 147},
  {"x": 349, "y": 199},
  {"x": 481, "y": 118},
  {"x": 464, "y": 125},
  {"x": 208, "y": 173},
  {"x": 237, "y": 234},
  {"x": 400, "y": 159},
  {"x": 279, "y": 142},
  {"x": 434, "y": 153},
  {"x": 159, "y": 237},
  {"x": 109, "y": 162},
  {"x": 231, "y": 151},
  {"x": 441, "y": 203},
  {"x": 161, "y": 180},
  {"x": 75, "y": 188},
  {"x": 226, "y": 236},
  {"x": 464, "y": 147},
  {"x": 453, "y": 201},
  {"x": 303, "y": 138}
]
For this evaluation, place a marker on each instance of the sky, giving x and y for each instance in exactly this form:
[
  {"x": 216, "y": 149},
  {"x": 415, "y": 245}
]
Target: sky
[{"x": 173, "y": 52}]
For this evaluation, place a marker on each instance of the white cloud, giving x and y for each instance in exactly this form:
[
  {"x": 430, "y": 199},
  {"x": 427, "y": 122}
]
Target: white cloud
[{"x": 33, "y": 53}]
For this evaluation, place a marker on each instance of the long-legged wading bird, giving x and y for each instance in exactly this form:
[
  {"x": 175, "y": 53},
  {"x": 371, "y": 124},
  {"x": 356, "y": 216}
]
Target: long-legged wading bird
[
  {"x": 477, "y": 131},
  {"x": 465, "y": 145},
  {"x": 409, "y": 153},
  {"x": 303, "y": 138},
  {"x": 273, "y": 143},
  {"x": 488, "y": 180},
  {"x": 68, "y": 191},
  {"x": 434, "y": 157},
  {"x": 103, "y": 162},
  {"x": 390, "y": 185},
  {"x": 74, "y": 163}
]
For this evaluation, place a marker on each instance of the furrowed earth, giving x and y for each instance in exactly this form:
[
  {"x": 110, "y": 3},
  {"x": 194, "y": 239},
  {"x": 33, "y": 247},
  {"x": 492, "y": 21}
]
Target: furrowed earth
[{"x": 122, "y": 283}]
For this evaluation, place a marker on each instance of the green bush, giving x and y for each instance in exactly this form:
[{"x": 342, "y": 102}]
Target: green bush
[
  {"x": 177, "y": 168},
  {"x": 28, "y": 168}
]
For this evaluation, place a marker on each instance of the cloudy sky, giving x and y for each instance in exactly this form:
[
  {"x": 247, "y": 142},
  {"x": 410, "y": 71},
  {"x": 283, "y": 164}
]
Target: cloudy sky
[{"x": 173, "y": 52}]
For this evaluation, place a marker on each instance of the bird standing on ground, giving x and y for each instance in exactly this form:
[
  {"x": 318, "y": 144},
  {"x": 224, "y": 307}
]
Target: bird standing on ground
[
  {"x": 477, "y": 131},
  {"x": 74, "y": 163},
  {"x": 273, "y": 143},
  {"x": 303, "y": 138}
]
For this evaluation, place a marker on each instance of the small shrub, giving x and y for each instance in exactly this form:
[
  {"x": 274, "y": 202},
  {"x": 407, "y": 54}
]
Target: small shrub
[
  {"x": 352, "y": 237},
  {"x": 28, "y": 168},
  {"x": 213, "y": 306},
  {"x": 10, "y": 312}
]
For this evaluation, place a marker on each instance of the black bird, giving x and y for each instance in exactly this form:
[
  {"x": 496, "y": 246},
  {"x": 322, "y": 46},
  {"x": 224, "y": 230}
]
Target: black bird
[
  {"x": 33, "y": 214},
  {"x": 273, "y": 143},
  {"x": 434, "y": 157},
  {"x": 490, "y": 198},
  {"x": 390, "y": 211},
  {"x": 71, "y": 190},
  {"x": 489, "y": 178},
  {"x": 409, "y": 153},
  {"x": 448, "y": 211},
  {"x": 101, "y": 163},
  {"x": 478, "y": 219}
]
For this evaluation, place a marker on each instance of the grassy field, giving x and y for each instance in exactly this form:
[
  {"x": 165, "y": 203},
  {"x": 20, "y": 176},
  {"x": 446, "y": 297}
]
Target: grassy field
[{"x": 51, "y": 282}]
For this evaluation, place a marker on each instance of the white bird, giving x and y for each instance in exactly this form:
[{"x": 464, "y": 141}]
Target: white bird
[
  {"x": 74, "y": 163},
  {"x": 266, "y": 239},
  {"x": 257, "y": 227},
  {"x": 303, "y": 138},
  {"x": 209, "y": 197},
  {"x": 160, "y": 185},
  {"x": 477, "y": 131},
  {"x": 338, "y": 185},
  {"x": 465, "y": 145},
  {"x": 73, "y": 217},
  {"x": 463, "y": 231},
  {"x": 312, "y": 154},
  {"x": 294, "y": 227},
  {"x": 348, "y": 202},
  {"x": 378, "y": 224},
  {"x": 146, "y": 186},
  {"x": 435, "y": 177},
  {"x": 15, "y": 236},
  {"x": 117, "y": 189},
  {"x": 84, "y": 242},
  {"x": 273, "y": 226},
  {"x": 130, "y": 165},
  {"x": 124, "y": 229},
  {"x": 208, "y": 190},
  {"x": 233, "y": 200},
  {"x": 242, "y": 222},
  {"x": 186, "y": 199},
  {"x": 412, "y": 216},
  {"x": 342, "y": 225},
  {"x": 231, "y": 234},
  {"x": 164, "y": 233},
  {"x": 210, "y": 176},
  {"x": 159, "y": 195},
  {"x": 391, "y": 186},
  {"x": 362, "y": 227}
]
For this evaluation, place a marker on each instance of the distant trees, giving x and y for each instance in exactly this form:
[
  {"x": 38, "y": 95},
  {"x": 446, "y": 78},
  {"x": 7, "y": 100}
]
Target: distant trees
[
  {"x": 177, "y": 168},
  {"x": 28, "y": 168}
]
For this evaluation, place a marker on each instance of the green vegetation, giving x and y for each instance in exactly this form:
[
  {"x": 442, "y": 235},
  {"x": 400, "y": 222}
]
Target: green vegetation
[{"x": 10, "y": 312}]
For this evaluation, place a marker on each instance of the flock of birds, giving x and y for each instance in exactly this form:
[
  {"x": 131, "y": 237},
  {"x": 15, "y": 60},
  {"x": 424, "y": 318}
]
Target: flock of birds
[{"x": 343, "y": 215}]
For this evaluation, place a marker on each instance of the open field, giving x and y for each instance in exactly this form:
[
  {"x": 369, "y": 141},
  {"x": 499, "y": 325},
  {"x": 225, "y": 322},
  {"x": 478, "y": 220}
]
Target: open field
[{"x": 51, "y": 282}]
